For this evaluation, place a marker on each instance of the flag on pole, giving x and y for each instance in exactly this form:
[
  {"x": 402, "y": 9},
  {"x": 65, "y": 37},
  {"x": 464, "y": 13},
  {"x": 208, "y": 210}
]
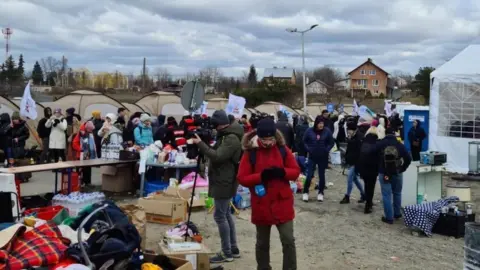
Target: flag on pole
[
  {"x": 28, "y": 107},
  {"x": 388, "y": 108},
  {"x": 355, "y": 107}
]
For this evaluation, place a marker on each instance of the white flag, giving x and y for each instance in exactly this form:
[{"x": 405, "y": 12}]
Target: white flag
[
  {"x": 355, "y": 107},
  {"x": 388, "y": 108},
  {"x": 28, "y": 107}
]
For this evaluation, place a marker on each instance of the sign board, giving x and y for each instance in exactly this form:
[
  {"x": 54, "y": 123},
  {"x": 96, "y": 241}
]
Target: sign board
[
  {"x": 413, "y": 117},
  {"x": 192, "y": 96},
  {"x": 330, "y": 107},
  {"x": 235, "y": 105}
]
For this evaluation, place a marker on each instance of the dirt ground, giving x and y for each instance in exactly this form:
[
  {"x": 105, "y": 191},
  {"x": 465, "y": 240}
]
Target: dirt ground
[{"x": 333, "y": 236}]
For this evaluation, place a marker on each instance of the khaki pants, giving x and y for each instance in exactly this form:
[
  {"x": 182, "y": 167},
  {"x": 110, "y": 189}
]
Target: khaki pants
[{"x": 262, "y": 247}]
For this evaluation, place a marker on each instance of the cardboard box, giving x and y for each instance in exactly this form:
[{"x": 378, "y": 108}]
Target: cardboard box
[
  {"x": 167, "y": 207},
  {"x": 180, "y": 264},
  {"x": 199, "y": 259},
  {"x": 117, "y": 178},
  {"x": 197, "y": 201}
]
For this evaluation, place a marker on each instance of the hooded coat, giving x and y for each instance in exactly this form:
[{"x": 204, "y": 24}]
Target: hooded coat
[
  {"x": 287, "y": 130},
  {"x": 84, "y": 141},
  {"x": 143, "y": 135},
  {"x": 114, "y": 134},
  {"x": 58, "y": 127},
  {"x": 161, "y": 132},
  {"x": 318, "y": 143},
  {"x": 5, "y": 131},
  {"x": 223, "y": 159},
  {"x": 300, "y": 130},
  {"x": 276, "y": 207},
  {"x": 21, "y": 133},
  {"x": 340, "y": 129},
  {"x": 42, "y": 130},
  {"x": 367, "y": 165}
]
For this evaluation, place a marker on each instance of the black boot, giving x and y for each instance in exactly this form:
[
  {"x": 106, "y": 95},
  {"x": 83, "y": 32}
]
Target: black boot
[
  {"x": 368, "y": 208},
  {"x": 345, "y": 200},
  {"x": 362, "y": 199}
]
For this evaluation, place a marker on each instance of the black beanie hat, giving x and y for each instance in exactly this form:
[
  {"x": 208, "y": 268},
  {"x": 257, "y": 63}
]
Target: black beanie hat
[
  {"x": 266, "y": 128},
  {"x": 351, "y": 125}
]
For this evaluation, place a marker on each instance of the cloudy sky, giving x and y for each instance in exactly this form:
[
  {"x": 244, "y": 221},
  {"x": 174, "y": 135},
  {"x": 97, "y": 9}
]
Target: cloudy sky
[{"x": 187, "y": 35}]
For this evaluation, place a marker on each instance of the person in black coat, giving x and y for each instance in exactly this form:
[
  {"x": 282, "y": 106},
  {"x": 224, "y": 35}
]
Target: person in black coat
[
  {"x": 44, "y": 134},
  {"x": 328, "y": 122},
  {"x": 286, "y": 129},
  {"x": 299, "y": 133},
  {"x": 70, "y": 114},
  {"x": 161, "y": 132},
  {"x": 20, "y": 135},
  {"x": 367, "y": 166},
  {"x": 416, "y": 135},
  {"x": 352, "y": 156},
  {"x": 120, "y": 123},
  {"x": 5, "y": 135}
]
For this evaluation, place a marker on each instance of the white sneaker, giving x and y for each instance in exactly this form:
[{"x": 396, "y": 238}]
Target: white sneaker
[
  {"x": 305, "y": 197},
  {"x": 320, "y": 197}
]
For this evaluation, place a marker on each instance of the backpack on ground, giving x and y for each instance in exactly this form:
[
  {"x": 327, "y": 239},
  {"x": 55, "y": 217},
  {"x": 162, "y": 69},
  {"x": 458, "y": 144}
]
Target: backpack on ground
[
  {"x": 253, "y": 154},
  {"x": 392, "y": 160}
]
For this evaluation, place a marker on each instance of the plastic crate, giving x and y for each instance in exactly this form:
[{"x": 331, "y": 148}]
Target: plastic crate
[
  {"x": 154, "y": 186},
  {"x": 45, "y": 213},
  {"x": 75, "y": 183}
]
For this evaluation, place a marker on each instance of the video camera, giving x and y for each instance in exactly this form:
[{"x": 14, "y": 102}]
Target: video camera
[{"x": 255, "y": 118}]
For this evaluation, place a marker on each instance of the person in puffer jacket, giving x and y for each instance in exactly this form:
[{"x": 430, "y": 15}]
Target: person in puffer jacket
[
  {"x": 286, "y": 129},
  {"x": 143, "y": 132},
  {"x": 367, "y": 166},
  {"x": 318, "y": 141},
  {"x": 273, "y": 171},
  {"x": 300, "y": 130}
]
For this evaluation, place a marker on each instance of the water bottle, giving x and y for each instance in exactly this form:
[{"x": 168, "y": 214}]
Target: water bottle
[{"x": 260, "y": 190}]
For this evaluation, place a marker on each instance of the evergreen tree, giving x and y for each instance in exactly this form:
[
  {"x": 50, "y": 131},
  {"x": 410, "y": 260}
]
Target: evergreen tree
[
  {"x": 20, "y": 68},
  {"x": 3, "y": 74},
  {"x": 37, "y": 74},
  {"x": 10, "y": 69},
  {"x": 252, "y": 77}
]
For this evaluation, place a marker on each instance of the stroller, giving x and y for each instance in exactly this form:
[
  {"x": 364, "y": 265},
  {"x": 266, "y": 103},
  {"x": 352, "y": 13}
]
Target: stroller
[{"x": 109, "y": 248}]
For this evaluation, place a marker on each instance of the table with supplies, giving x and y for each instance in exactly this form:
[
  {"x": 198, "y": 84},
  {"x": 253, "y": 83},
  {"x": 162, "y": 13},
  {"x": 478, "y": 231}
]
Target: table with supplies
[
  {"x": 177, "y": 167},
  {"x": 68, "y": 166}
]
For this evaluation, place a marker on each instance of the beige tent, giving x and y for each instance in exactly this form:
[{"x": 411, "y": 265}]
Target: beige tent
[
  {"x": 160, "y": 102},
  {"x": 85, "y": 102},
  {"x": 10, "y": 106},
  {"x": 272, "y": 107},
  {"x": 132, "y": 108}
]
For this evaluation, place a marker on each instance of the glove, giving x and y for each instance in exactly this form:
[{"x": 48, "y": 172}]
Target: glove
[
  {"x": 277, "y": 173},
  {"x": 266, "y": 175},
  {"x": 57, "y": 121}
]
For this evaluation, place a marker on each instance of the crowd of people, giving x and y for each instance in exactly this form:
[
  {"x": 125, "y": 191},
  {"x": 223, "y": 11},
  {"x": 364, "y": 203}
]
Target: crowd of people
[{"x": 257, "y": 152}]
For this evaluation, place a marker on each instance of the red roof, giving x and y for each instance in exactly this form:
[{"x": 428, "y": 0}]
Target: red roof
[{"x": 369, "y": 60}]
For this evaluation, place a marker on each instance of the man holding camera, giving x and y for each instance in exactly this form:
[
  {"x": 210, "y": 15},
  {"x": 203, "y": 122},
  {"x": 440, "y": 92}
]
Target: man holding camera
[{"x": 223, "y": 160}]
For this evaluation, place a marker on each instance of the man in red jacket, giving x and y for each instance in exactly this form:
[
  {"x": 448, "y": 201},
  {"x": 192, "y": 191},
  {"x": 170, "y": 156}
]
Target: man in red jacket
[{"x": 274, "y": 165}]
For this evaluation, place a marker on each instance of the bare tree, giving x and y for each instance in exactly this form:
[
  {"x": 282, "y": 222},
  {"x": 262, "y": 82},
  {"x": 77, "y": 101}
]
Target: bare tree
[
  {"x": 50, "y": 65},
  {"x": 401, "y": 78},
  {"x": 326, "y": 74},
  {"x": 210, "y": 75},
  {"x": 162, "y": 76}
]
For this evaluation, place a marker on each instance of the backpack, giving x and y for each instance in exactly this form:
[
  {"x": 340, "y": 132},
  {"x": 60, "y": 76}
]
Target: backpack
[
  {"x": 253, "y": 155},
  {"x": 392, "y": 160}
]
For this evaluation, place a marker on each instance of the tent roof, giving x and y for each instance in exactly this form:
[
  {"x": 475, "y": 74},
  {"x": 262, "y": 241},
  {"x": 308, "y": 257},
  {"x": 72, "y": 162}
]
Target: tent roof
[
  {"x": 272, "y": 107},
  {"x": 132, "y": 108},
  {"x": 465, "y": 62},
  {"x": 153, "y": 103}
]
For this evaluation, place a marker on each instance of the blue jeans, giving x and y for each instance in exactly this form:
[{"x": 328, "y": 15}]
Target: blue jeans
[
  {"x": 226, "y": 225},
  {"x": 351, "y": 179},
  {"x": 321, "y": 175},
  {"x": 389, "y": 188}
]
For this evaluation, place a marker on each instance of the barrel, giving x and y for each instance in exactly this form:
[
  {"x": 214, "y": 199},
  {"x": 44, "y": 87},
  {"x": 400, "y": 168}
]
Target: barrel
[{"x": 471, "y": 259}]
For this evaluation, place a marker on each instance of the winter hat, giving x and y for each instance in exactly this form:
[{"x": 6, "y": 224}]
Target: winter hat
[
  {"x": 113, "y": 117},
  {"x": 89, "y": 126},
  {"x": 266, "y": 128},
  {"x": 220, "y": 117},
  {"x": 145, "y": 117},
  {"x": 375, "y": 123},
  {"x": 96, "y": 114},
  {"x": 57, "y": 110},
  {"x": 171, "y": 121},
  {"x": 70, "y": 110},
  {"x": 231, "y": 118},
  {"x": 319, "y": 119},
  {"x": 15, "y": 116},
  {"x": 351, "y": 125}
]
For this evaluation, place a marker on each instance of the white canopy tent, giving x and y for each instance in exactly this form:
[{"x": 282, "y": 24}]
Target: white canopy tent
[{"x": 455, "y": 107}]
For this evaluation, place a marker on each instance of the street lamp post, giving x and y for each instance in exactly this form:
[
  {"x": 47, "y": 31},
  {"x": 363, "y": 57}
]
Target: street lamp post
[{"x": 295, "y": 30}]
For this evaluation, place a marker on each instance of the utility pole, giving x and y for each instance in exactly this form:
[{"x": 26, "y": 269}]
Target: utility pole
[{"x": 144, "y": 75}]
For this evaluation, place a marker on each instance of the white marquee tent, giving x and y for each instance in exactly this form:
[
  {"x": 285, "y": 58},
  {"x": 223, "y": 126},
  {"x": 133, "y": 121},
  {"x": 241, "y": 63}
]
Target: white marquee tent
[{"x": 455, "y": 107}]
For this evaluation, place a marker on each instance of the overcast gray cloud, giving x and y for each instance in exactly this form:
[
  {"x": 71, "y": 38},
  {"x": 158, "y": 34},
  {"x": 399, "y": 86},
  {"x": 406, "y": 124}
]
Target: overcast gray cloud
[{"x": 187, "y": 35}]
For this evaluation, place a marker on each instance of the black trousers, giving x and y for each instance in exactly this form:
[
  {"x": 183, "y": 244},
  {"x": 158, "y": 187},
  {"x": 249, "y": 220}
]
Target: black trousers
[
  {"x": 415, "y": 152},
  {"x": 370, "y": 181},
  {"x": 58, "y": 153}
]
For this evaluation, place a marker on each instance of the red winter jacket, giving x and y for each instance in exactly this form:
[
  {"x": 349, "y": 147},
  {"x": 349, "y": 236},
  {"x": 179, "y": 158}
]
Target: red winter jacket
[{"x": 276, "y": 207}]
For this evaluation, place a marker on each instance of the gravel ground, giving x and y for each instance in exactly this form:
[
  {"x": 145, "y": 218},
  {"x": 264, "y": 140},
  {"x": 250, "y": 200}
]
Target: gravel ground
[{"x": 333, "y": 236}]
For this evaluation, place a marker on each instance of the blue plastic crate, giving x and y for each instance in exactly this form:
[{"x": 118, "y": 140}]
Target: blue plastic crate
[{"x": 154, "y": 186}]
